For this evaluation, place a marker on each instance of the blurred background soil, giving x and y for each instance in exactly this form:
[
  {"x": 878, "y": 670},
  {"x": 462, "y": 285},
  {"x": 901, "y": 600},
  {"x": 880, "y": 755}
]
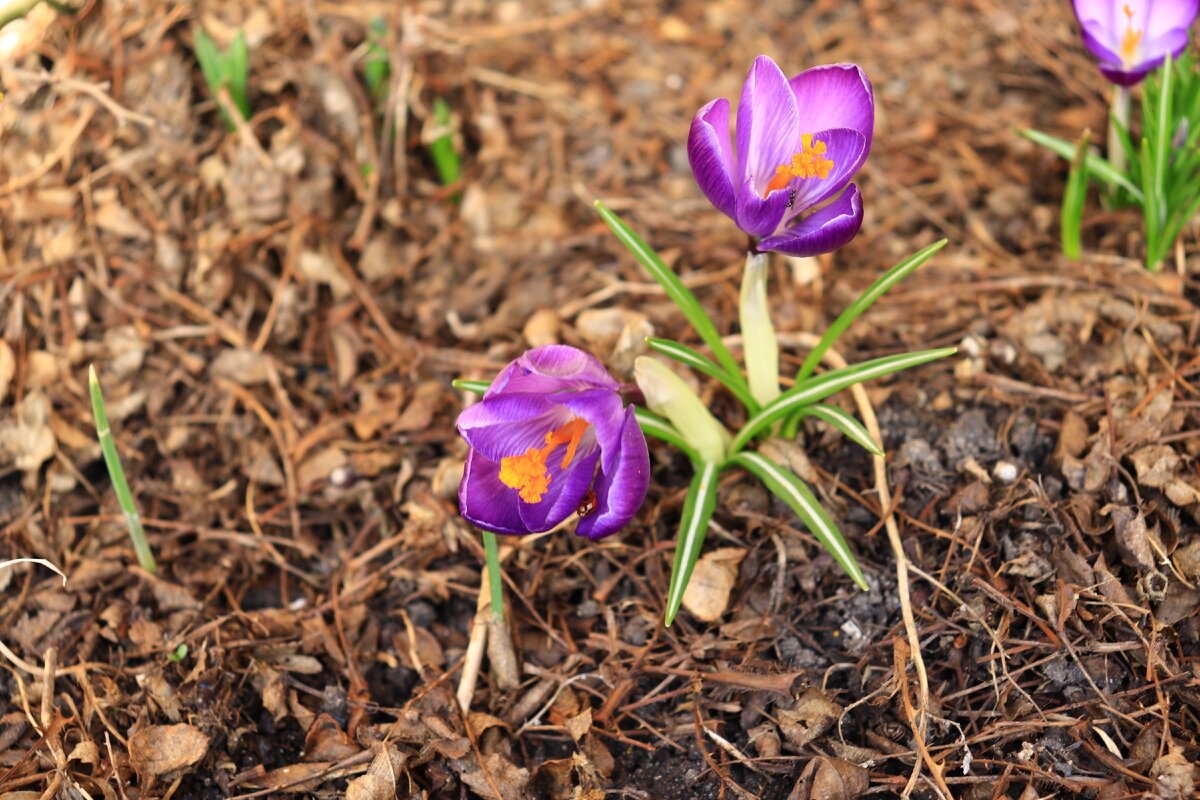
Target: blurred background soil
[{"x": 276, "y": 314}]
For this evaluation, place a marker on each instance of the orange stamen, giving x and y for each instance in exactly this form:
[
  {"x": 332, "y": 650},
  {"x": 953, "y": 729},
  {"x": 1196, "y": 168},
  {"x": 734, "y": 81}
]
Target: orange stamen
[
  {"x": 1131, "y": 39},
  {"x": 810, "y": 162},
  {"x": 527, "y": 472}
]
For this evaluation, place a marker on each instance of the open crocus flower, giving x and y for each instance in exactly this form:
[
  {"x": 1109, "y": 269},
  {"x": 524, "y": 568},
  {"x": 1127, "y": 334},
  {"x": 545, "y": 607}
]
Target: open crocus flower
[
  {"x": 785, "y": 176},
  {"x": 550, "y": 437},
  {"x": 1130, "y": 38}
]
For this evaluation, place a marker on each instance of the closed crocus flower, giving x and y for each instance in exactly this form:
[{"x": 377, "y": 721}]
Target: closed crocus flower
[
  {"x": 1130, "y": 38},
  {"x": 784, "y": 178},
  {"x": 550, "y": 437}
]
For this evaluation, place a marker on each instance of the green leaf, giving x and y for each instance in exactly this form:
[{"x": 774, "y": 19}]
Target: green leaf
[
  {"x": 822, "y": 386},
  {"x": 1097, "y": 166},
  {"x": 686, "y": 355},
  {"x": 785, "y": 485},
  {"x": 112, "y": 460},
  {"x": 654, "y": 425},
  {"x": 478, "y": 387},
  {"x": 377, "y": 66},
  {"x": 864, "y": 301},
  {"x": 693, "y": 525},
  {"x": 679, "y": 294},
  {"x": 844, "y": 422},
  {"x": 178, "y": 654},
  {"x": 441, "y": 150},
  {"x": 238, "y": 60},
  {"x": 1073, "y": 199}
]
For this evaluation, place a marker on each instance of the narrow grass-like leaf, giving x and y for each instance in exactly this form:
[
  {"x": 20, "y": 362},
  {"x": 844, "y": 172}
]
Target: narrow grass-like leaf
[
  {"x": 238, "y": 60},
  {"x": 844, "y": 422},
  {"x": 679, "y": 294},
  {"x": 112, "y": 460},
  {"x": 693, "y": 525},
  {"x": 441, "y": 150},
  {"x": 785, "y": 485},
  {"x": 1150, "y": 207},
  {"x": 1073, "y": 198},
  {"x": 686, "y": 355},
  {"x": 377, "y": 66},
  {"x": 822, "y": 386},
  {"x": 1097, "y": 166},
  {"x": 654, "y": 425},
  {"x": 864, "y": 301},
  {"x": 478, "y": 387}
]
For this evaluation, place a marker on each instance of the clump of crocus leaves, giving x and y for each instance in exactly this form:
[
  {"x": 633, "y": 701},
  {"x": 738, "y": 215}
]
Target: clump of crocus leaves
[
  {"x": 1158, "y": 168},
  {"x": 553, "y": 435}
]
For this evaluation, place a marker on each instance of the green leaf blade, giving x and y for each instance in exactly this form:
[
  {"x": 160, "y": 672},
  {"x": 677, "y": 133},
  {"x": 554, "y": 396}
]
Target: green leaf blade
[
  {"x": 686, "y": 355},
  {"x": 845, "y": 423},
  {"x": 785, "y": 485},
  {"x": 693, "y": 525},
  {"x": 822, "y": 386},
  {"x": 679, "y": 294}
]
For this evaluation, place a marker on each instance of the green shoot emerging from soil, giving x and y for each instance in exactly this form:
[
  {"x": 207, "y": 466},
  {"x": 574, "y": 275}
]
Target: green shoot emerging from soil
[
  {"x": 225, "y": 70},
  {"x": 1158, "y": 172},
  {"x": 116, "y": 472},
  {"x": 441, "y": 148}
]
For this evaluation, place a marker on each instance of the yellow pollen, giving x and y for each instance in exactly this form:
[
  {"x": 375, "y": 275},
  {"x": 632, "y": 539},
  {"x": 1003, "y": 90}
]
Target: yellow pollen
[
  {"x": 1131, "y": 39},
  {"x": 527, "y": 472},
  {"x": 810, "y": 162}
]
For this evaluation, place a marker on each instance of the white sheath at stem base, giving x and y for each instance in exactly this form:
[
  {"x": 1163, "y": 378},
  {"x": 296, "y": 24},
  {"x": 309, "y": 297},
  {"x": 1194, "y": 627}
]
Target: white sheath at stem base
[{"x": 759, "y": 347}]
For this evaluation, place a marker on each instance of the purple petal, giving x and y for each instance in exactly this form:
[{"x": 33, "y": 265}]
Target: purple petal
[
  {"x": 835, "y": 96},
  {"x": 621, "y": 489},
  {"x": 510, "y": 424},
  {"x": 1164, "y": 17},
  {"x": 1095, "y": 38},
  {"x": 486, "y": 502},
  {"x": 767, "y": 125},
  {"x": 711, "y": 154},
  {"x": 552, "y": 368},
  {"x": 603, "y": 410},
  {"x": 1129, "y": 77},
  {"x": 567, "y": 489},
  {"x": 823, "y": 231},
  {"x": 847, "y": 149},
  {"x": 758, "y": 216}
]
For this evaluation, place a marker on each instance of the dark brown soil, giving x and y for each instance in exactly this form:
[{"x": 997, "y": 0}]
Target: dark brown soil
[{"x": 276, "y": 315}]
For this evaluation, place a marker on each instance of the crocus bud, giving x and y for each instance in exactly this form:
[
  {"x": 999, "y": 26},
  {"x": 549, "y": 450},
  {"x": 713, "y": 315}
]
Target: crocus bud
[
  {"x": 667, "y": 394},
  {"x": 759, "y": 347}
]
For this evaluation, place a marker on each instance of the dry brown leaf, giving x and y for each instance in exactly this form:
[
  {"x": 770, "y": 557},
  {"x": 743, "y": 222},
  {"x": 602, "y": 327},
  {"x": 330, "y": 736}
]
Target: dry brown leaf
[
  {"x": 29, "y": 441},
  {"x": 8, "y": 367},
  {"x": 511, "y": 780},
  {"x": 707, "y": 595},
  {"x": 580, "y": 724},
  {"x": 827, "y": 778},
  {"x": 809, "y": 718},
  {"x": 162, "y": 749},
  {"x": 243, "y": 367},
  {"x": 326, "y": 741},
  {"x": 1174, "y": 776},
  {"x": 1156, "y": 465},
  {"x": 1072, "y": 438},
  {"x": 381, "y": 779}
]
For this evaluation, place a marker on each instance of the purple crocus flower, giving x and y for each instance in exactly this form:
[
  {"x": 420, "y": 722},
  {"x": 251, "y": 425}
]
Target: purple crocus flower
[
  {"x": 785, "y": 177},
  {"x": 1130, "y": 38},
  {"x": 550, "y": 437}
]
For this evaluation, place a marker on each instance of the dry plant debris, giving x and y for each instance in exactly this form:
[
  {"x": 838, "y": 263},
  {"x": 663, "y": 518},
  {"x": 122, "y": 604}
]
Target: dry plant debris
[{"x": 279, "y": 311}]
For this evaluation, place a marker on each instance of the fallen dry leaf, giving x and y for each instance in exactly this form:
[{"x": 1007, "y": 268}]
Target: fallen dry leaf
[
  {"x": 827, "y": 778},
  {"x": 707, "y": 595},
  {"x": 1174, "y": 776},
  {"x": 809, "y": 718},
  {"x": 381, "y": 778},
  {"x": 162, "y": 749}
]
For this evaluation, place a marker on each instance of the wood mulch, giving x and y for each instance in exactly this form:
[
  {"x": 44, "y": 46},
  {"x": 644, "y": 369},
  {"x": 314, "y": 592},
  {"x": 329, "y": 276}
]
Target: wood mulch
[{"x": 277, "y": 312}]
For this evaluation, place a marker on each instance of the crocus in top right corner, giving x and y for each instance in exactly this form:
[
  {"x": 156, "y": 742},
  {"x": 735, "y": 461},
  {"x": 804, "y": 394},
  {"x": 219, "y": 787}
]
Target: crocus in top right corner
[{"x": 1131, "y": 38}]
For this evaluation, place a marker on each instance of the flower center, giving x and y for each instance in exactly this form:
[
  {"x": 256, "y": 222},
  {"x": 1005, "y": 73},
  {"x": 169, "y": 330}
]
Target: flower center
[
  {"x": 809, "y": 162},
  {"x": 527, "y": 472},
  {"x": 1131, "y": 39}
]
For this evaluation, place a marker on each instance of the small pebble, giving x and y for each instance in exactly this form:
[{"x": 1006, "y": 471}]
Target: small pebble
[{"x": 1005, "y": 471}]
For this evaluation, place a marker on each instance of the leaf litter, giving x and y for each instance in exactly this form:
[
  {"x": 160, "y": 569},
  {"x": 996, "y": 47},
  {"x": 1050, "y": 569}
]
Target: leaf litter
[{"x": 281, "y": 310}]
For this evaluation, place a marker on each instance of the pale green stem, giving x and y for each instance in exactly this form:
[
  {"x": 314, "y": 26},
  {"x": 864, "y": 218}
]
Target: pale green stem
[
  {"x": 1120, "y": 113},
  {"x": 760, "y": 348},
  {"x": 491, "y": 554},
  {"x": 667, "y": 394}
]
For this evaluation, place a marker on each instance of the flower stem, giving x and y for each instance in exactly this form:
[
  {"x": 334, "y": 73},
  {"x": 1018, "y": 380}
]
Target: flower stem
[
  {"x": 760, "y": 349},
  {"x": 1120, "y": 114},
  {"x": 495, "y": 580}
]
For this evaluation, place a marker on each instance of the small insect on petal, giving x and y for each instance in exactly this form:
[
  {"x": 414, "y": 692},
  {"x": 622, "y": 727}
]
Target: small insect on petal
[{"x": 588, "y": 504}]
